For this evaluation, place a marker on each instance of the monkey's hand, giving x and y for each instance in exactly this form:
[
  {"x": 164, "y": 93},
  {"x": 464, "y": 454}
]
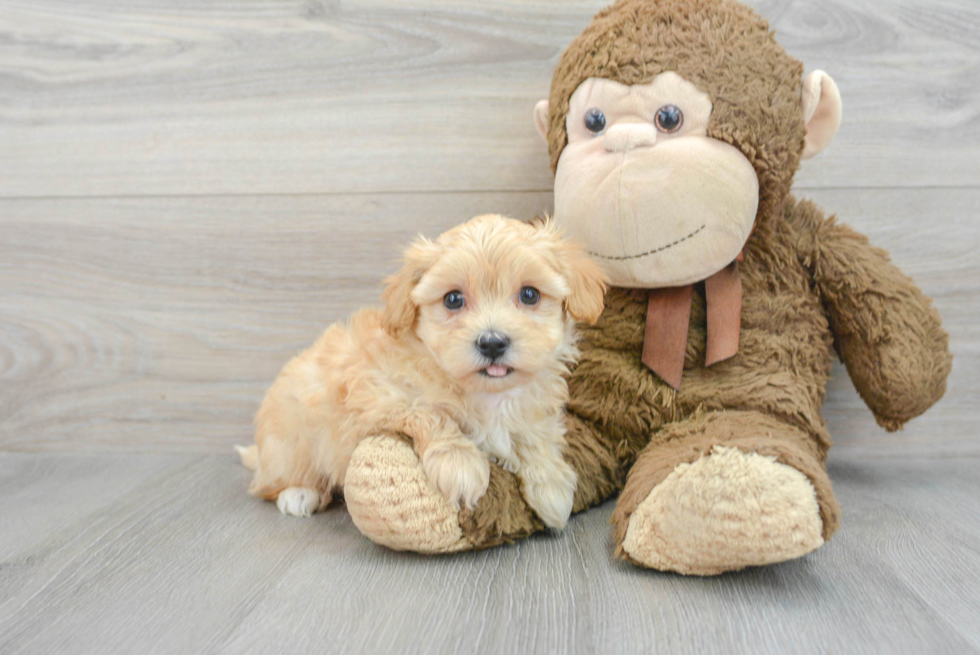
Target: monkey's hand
[
  {"x": 885, "y": 329},
  {"x": 394, "y": 503},
  {"x": 451, "y": 461}
]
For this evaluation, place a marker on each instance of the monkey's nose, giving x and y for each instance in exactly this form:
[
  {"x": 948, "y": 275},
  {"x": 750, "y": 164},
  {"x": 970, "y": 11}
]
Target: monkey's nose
[
  {"x": 492, "y": 344},
  {"x": 623, "y": 138}
]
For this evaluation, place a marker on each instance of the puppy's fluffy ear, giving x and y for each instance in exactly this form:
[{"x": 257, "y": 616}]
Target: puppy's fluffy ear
[
  {"x": 586, "y": 279},
  {"x": 399, "y": 310}
]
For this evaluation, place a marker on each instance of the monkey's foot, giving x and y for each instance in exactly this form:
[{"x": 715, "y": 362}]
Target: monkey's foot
[
  {"x": 726, "y": 511},
  {"x": 393, "y": 503}
]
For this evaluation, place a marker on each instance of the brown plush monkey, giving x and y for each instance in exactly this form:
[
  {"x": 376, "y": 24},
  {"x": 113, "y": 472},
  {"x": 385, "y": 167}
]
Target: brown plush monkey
[{"x": 675, "y": 128}]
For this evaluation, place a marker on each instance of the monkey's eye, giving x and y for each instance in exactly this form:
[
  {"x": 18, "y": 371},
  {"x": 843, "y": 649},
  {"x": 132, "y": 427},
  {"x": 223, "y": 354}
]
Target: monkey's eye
[
  {"x": 669, "y": 118},
  {"x": 595, "y": 120},
  {"x": 453, "y": 300},
  {"x": 529, "y": 296}
]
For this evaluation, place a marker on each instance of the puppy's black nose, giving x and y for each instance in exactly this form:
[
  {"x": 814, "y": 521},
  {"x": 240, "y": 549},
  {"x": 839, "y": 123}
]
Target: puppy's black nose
[{"x": 492, "y": 344}]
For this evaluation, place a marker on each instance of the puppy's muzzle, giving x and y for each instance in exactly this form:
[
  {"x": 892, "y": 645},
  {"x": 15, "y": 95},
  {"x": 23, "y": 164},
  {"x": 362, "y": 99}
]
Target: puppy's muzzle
[{"x": 492, "y": 345}]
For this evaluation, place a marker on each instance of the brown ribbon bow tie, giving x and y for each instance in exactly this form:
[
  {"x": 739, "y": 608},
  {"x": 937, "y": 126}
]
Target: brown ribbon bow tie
[{"x": 669, "y": 316}]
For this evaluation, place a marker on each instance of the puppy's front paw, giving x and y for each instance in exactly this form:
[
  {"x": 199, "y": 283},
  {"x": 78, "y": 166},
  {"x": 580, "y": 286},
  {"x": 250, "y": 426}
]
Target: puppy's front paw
[
  {"x": 298, "y": 501},
  {"x": 550, "y": 492},
  {"x": 459, "y": 471}
]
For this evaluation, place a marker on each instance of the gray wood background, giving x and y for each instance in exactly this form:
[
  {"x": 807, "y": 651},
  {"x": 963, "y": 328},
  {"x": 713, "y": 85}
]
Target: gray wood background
[{"x": 190, "y": 192}]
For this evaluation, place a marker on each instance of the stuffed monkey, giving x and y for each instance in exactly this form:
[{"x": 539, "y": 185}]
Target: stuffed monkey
[{"x": 675, "y": 128}]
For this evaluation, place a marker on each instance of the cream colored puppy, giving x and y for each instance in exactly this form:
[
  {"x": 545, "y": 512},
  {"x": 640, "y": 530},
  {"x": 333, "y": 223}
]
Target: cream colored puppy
[{"x": 467, "y": 359}]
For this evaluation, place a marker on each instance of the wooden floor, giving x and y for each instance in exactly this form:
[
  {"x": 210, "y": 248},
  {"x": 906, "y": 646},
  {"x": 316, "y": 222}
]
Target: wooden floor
[
  {"x": 164, "y": 553},
  {"x": 191, "y": 191}
]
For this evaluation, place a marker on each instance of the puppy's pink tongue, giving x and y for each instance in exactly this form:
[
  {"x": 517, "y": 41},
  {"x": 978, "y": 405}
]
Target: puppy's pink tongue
[{"x": 496, "y": 371}]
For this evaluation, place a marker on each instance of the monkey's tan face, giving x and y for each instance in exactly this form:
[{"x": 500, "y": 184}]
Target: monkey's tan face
[{"x": 658, "y": 202}]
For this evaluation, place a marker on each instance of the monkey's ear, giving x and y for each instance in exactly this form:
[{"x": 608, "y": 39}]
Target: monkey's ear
[
  {"x": 541, "y": 119},
  {"x": 399, "y": 310},
  {"x": 821, "y": 112}
]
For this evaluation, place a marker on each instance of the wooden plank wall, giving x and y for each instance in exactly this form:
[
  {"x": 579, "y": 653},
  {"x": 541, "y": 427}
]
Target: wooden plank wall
[{"x": 190, "y": 192}]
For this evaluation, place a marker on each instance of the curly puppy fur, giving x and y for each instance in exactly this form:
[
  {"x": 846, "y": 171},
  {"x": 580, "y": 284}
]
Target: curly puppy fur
[{"x": 416, "y": 369}]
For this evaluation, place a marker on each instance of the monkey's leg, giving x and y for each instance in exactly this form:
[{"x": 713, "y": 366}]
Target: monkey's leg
[
  {"x": 393, "y": 503},
  {"x": 724, "y": 491}
]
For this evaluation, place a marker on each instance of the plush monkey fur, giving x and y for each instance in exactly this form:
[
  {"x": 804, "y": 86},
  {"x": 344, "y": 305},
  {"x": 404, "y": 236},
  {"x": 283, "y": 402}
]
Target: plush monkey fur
[
  {"x": 724, "y": 49},
  {"x": 729, "y": 471}
]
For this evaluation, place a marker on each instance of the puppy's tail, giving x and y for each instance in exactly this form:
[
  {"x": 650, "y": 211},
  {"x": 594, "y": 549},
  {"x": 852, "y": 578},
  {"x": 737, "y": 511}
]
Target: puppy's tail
[{"x": 249, "y": 455}]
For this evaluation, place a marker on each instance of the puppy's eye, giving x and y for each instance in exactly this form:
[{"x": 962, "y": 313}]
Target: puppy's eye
[
  {"x": 453, "y": 300},
  {"x": 595, "y": 120},
  {"x": 669, "y": 119},
  {"x": 529, "y": 296}
]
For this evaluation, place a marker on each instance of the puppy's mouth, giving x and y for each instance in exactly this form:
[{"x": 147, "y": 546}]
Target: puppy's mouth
[{"x": 496, "y": 371}]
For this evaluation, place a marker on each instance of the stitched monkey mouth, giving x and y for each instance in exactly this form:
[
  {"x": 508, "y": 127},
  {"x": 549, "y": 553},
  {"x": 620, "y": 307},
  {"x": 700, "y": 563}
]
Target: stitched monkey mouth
[{"x": 650, "y": 252}]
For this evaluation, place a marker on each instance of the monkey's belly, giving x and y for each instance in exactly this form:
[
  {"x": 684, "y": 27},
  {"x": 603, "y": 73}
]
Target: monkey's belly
[{"x": 781, "y": 368}]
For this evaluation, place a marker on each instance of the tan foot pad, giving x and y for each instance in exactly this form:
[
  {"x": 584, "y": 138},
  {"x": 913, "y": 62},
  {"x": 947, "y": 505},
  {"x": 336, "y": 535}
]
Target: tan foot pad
[
  {"x": 393, "y": 503},
  {"x": 725, "y": 512}
]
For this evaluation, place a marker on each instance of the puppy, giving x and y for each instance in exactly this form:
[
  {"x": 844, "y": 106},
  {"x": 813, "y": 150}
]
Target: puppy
[{"x": 467, "y": 358}]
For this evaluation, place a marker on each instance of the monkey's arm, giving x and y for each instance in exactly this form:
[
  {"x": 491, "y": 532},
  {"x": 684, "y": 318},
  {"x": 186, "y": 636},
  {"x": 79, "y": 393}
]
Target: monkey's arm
[
  {"x": 504, "y": 516},
  {"x": 885, "y": 329},
  {"x": 392, "y": 502}
]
